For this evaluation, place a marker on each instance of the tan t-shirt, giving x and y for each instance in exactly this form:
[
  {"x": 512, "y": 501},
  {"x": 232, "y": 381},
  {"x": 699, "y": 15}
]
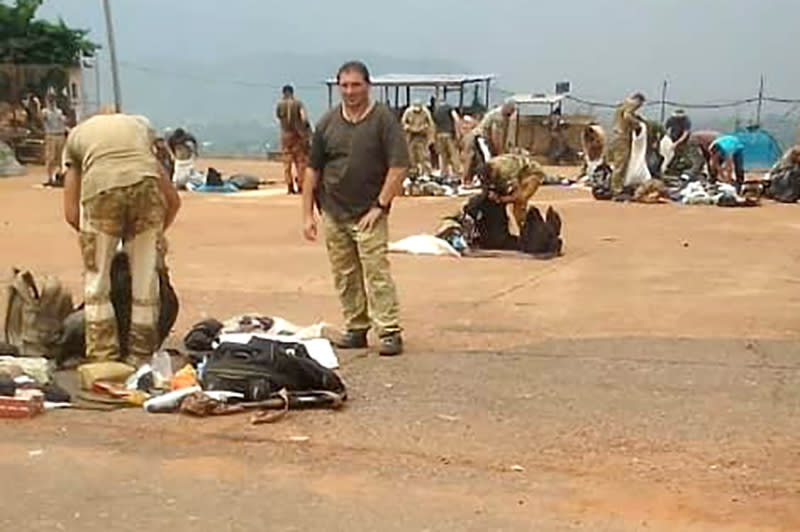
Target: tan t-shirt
[
  {"x": 494, "y": 126},
  {"x": 112, "y": 151}
]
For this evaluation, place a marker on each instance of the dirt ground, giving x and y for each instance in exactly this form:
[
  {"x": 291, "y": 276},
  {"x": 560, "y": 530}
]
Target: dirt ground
[{"x": 648, "y": 380}]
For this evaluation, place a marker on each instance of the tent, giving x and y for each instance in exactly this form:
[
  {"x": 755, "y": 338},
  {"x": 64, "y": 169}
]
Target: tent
[
  {"x": 8, "y": 163},
  {"x": 761, "y": 150}
]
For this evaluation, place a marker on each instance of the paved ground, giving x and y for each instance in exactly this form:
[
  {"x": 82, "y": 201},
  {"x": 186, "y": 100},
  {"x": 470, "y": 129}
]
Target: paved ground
[{"x": 648, "y": 380}]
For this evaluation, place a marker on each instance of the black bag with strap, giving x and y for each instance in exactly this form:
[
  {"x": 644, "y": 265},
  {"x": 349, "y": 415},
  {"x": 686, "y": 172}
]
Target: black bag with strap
[{"x": 263, "y": 367}]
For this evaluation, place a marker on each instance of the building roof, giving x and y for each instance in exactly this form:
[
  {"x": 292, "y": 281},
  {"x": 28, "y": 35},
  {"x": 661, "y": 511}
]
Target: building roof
[
  {"x": 424, "y": 80},
  {"x": 538, "y": 98}
]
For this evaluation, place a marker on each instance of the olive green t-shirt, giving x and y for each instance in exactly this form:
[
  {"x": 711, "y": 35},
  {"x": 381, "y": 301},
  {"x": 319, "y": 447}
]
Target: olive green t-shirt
[
  {"x": 353, "y": 159},
  {"x": 111, "y": 151}
]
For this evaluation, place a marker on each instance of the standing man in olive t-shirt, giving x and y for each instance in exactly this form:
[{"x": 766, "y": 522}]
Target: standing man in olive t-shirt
[{"x": 359, "y": 159}]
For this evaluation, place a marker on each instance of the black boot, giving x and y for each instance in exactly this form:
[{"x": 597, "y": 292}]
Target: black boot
[
  {"x": 353, "y": 339},
  {"x": 391, "y": 344}
]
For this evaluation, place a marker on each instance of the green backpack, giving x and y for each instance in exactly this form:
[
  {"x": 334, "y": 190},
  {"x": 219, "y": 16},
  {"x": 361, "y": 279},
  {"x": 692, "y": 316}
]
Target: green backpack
[{"x": 35, "y": 314}]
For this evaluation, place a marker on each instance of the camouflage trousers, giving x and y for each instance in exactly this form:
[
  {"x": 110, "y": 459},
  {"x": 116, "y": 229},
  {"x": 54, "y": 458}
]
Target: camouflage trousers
[
  {"x": 449, "y": 158},
  {"x": 419, "y": 154},
  {"x": 295, "y": 154},
  {"x": 134, "y": 217},
  {"x": 619, "y": 157},
  {"x": 362, "y": 276}
]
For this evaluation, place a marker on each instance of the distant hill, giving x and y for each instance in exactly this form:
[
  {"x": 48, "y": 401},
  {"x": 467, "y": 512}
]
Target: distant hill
[{"x": 229, "y": 104}]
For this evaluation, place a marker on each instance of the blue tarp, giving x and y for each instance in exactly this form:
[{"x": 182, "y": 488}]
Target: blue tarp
[{"x": 761, "y": 150}]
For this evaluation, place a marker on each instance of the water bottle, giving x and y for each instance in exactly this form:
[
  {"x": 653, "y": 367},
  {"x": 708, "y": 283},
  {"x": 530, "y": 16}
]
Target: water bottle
[{"x": 162, "y": 369}]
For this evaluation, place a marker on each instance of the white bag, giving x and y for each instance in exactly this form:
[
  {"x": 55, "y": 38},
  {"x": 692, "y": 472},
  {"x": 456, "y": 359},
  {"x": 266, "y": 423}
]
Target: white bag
[
  {"x": 667, "y": 150},
  {"x": 638, "y": 172}
]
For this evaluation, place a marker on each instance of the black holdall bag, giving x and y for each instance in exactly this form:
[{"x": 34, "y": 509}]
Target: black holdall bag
[
  {"x": 541, "y": 236},
  {"x": 263, "y": 367}
]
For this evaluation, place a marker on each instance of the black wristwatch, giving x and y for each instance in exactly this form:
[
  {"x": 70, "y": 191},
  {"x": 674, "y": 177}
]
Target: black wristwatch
[{"x": 384, "y": 208}]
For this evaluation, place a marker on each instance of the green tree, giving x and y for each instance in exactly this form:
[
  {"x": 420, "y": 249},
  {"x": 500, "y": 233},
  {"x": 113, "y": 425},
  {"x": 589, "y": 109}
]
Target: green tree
[{"x": 24, "y": 40}]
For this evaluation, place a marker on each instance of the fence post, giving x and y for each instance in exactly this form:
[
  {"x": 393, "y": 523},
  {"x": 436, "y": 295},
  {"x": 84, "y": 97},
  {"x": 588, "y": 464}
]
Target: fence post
[{"x": 663, "y": 101}]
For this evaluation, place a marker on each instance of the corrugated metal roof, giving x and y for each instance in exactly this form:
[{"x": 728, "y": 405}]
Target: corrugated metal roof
[{"x": 424, "y": 80}]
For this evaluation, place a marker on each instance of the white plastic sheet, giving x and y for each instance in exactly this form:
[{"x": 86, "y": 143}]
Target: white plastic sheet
[{"x": 424, "y": 245}]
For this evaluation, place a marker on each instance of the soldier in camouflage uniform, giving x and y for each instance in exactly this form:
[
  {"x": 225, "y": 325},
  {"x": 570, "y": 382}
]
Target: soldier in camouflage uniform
[
  {"x": 446, "y": 119},
  {"x": 619, "y": 149},
  {"x": 420, "y": 132},
  {"x": 295, "y": 130},
  {"x": 489, "y": 138},
  {"x": 513, "y": 179},
  {"x": 116, "y": 192}
]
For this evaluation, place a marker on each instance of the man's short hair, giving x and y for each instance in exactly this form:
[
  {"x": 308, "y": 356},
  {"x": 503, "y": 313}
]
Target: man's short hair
[
  {"x": 354, "y": 66},
  {"x": 287, "y": 90},
  {"x": 638, "y": 96}
]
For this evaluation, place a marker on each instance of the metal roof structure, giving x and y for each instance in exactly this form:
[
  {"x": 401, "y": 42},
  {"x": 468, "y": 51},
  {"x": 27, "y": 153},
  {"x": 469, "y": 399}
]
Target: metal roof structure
[
  {"x": 425, "y": 80},
  {"x": 537, "y": 99},
  {"x": 438, "y": 82}
]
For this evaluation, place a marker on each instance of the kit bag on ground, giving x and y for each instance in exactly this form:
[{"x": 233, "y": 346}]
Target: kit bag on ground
[
  {"x": 213, "y": 178},
  {"x": 202, "y": 335},
  {"x": 489, "y": 221},
  {"x": 541, "y": 236},
  {"x": 784, "y": 185},
  {"x": 601, "y": 182},
  {"x": 245, "y": 182},
  {"x": 263, "y": 367},
  {"x": 35, "y": 312}
]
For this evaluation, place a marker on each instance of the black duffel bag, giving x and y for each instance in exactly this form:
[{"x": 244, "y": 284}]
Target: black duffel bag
[{"x": 263, "y": 367}]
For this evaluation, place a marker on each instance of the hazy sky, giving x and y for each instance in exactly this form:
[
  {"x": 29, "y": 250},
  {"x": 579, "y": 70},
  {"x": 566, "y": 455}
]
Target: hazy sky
[
  {"x": 710, "y": 50},
  {"x": 707, "y": 48}
]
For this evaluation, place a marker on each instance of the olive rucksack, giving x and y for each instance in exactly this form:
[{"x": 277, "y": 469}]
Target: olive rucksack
[
  {"x": 784, "y": 185},
  {"x": 35, "y": 313}
]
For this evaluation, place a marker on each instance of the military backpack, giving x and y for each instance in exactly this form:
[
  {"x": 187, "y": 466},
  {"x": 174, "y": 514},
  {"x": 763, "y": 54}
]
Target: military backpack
[{"x": 35, "y": 313}]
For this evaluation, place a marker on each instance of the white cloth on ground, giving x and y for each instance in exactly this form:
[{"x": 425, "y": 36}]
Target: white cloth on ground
[
  {"x": 424, "y": 245},
  {"x": 315, "y": 338}
]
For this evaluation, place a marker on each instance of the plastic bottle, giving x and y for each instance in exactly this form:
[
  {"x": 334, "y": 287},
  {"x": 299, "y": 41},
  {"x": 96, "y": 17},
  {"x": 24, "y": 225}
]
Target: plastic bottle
[{"x": 162, "y": 369}]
